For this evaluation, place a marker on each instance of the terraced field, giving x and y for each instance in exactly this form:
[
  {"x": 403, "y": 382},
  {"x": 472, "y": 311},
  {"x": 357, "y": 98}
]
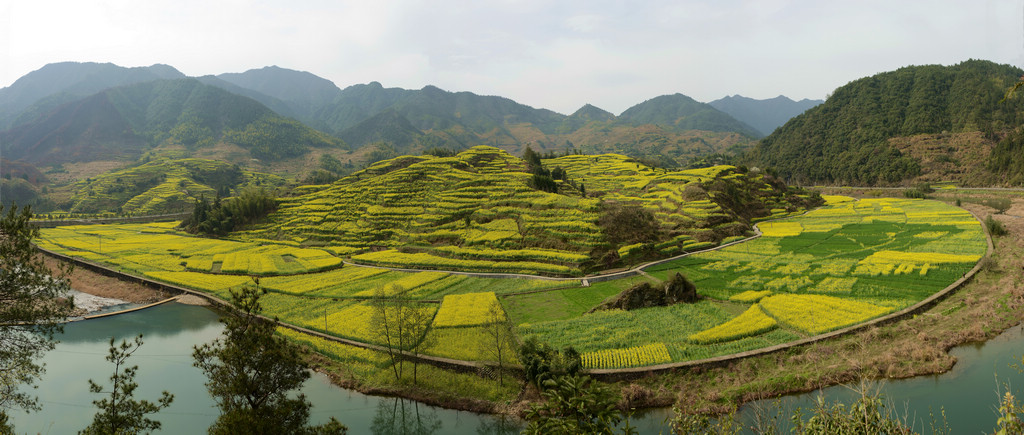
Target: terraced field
[
  {"x": 476, "y": 212},
  {"x": 833, "y": 267},
  {"x": 162, "y": 186}
]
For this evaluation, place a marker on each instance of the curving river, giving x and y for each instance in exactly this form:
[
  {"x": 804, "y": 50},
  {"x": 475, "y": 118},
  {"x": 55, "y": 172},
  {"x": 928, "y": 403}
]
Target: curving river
[
  {"x": 967, "y": 393},
  {"x": 165, "y": 363}
]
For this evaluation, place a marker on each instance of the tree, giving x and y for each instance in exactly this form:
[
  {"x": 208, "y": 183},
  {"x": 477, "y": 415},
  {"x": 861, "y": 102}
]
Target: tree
[
  {"x": 574, "y": 404},
  {"x": 401, "y": 326},
  {"x": 120, "y": 413},
  {"x": 251, "y": 373},
  {"x": 532, "y": 158},
  {"x": 541, "y": 362},
  {"x": 543, "y": 183},
  {"x": 33, "y": 303},
  {"x": 499, "y": 338},
  {"x": 223, "y": 217}
]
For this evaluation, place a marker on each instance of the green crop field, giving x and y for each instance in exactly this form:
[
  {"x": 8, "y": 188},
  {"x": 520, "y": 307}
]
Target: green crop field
[{"x": 833, "y": 267}]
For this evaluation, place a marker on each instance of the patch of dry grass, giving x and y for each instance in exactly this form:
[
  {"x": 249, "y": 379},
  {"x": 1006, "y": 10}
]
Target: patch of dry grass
[{"x": 90, "y": 282}]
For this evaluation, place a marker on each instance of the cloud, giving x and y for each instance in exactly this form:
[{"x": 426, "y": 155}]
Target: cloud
[{"x": 585, "y": 23}]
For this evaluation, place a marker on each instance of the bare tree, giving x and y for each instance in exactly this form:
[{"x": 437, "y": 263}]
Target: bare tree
[
  {"x": 499, "y": 338},
  {"x": 401, "y": 325}
]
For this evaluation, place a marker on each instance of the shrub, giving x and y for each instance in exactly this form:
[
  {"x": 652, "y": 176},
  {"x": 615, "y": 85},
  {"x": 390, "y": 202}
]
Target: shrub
[{"x": 995, "y": 227}]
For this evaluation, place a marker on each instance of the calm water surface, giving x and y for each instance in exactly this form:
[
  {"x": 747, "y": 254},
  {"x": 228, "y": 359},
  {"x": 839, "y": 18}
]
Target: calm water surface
[
  {"x": 967, "y": 393},
  {"x": 165, "y": 363}
]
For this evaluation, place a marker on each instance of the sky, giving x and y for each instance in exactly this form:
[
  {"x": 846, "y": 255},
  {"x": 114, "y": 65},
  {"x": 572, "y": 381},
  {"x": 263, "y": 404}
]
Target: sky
[{"x": 557, "y": 55}]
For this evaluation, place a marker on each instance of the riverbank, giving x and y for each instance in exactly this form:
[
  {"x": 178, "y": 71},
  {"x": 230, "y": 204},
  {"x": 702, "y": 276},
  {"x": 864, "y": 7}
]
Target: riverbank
[
  {"x": 982, "y": 309},
  {"x": 87, "y": 281}
]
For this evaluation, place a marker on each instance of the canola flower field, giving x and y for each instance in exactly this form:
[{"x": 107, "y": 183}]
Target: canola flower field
[
  {"x": 836, "y": 266},
  {"x": 477, "y": 212}
]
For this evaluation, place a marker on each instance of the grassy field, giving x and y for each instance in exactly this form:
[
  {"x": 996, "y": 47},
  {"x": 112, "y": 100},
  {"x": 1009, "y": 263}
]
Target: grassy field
[{"x": 833, "y": 267}]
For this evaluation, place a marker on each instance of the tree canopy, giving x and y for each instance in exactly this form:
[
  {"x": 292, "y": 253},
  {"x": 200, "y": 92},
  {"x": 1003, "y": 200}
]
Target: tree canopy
[
  {"x": 252, "y": 373},
  {"x": 845, "y": 140},
  {"x": 33, "y": 303}
]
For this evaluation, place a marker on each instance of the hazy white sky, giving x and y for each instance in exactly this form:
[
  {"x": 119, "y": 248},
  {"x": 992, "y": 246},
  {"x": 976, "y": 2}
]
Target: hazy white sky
[{"x": 548, "y": 54}]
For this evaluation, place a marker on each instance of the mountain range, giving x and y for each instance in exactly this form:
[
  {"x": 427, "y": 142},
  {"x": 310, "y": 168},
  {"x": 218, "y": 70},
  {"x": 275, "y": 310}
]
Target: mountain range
[
  {"x": 74, "y": 121},
  {"x": 80, "y": 112}
]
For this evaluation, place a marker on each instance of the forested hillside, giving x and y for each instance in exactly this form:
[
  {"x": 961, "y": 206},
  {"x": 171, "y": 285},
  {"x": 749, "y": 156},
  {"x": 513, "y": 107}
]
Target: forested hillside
[
  {"x": 671, "y": 130},
  {"x": 124, "y": 122},
  {"x": 850, "y": 138},
  {"x": 52, "y": 85},
  {"x": 679, "y": 112},
  {"x": 105, "y": 112},
  {"x": 22, "y": 184}
]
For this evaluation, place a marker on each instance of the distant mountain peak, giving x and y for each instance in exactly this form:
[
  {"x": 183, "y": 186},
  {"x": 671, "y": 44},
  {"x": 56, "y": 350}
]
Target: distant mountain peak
[
  {"x": 58, "y": 83},
  {"x": 681, "y": 112},
  {"x": 284, "y": 84},
  {"x": 433, "y": 89},
  {"x": 764, "y": 115},
  {"x": 591, "y": 112}
]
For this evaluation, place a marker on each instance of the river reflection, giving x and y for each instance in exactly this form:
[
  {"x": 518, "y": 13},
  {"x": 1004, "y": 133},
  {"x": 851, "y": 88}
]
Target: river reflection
[
  {"x": 165, "y": 363},
  {"x": 396, "y": 416}
]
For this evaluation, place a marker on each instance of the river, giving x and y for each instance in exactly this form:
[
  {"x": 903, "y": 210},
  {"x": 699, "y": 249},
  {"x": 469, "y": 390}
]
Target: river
[
  {"x": 967, "y": 393},
  {"x": 165, "y": 363}
]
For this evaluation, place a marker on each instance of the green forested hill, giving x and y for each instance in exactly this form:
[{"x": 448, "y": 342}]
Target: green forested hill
[
  {"x": 848, "y": 138},
  {"x": 409, "y": 121},
  {"x": 484, "y": 204},
  {"x": 22, "y": 184},
  {"x": 296, "y": 94},
  {"x": 52, "y": 85},
  {"x": 679, "y": 112},
  {"x": 122, "y": 123}
]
